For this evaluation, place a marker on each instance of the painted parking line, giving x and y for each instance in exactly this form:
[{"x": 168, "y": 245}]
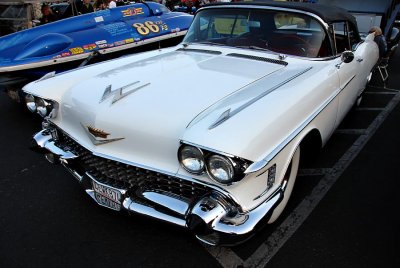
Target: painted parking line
[{"x": 264, "y": 253}]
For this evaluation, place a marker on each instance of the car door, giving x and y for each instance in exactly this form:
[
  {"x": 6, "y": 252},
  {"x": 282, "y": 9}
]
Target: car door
[{"x": 352, "y": 75}]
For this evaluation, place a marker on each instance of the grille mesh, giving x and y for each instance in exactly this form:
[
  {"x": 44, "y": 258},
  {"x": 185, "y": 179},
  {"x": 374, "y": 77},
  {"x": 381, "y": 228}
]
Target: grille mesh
[{"x": 129, "y": 177}]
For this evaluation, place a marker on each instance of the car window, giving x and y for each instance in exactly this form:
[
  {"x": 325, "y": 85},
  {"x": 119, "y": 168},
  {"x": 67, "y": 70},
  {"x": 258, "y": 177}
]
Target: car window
[
  {"x": 282, "y": 32},
  {"x": 342, "y": 35}
]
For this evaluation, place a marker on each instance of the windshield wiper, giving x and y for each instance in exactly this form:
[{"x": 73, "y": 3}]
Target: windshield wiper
[
  {"x": 254, "y": 47},
  {"x": 209, "y": 43}
]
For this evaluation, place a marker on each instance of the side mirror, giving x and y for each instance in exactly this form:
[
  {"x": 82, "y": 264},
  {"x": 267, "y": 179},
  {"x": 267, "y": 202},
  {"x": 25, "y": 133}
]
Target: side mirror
[{"x": 347, "y": 56}]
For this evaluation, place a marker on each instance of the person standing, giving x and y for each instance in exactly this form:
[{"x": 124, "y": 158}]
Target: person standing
[
  {"x": 47, "y": 15},
  {"x": 100, "y": 5},
  {"x": 380, "y": 40},
  {"x": 86, "y": 7},
  {"x": 112, "y": 4}
]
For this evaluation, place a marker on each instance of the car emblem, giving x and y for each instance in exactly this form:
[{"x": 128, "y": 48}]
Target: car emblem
[
  {"x": 98, "y": 136},
  {"x": 98, "y": 133},
  {"x": 118, "y": 94}
]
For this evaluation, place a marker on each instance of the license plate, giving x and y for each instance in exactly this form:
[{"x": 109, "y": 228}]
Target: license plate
[{"x": 107, "y": 196}]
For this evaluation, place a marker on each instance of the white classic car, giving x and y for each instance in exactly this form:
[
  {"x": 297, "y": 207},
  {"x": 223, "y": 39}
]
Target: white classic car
[{"x": 208, "y": 134}]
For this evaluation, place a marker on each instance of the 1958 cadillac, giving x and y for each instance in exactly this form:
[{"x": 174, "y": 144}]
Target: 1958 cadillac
[{"x": 217, "y": 150}]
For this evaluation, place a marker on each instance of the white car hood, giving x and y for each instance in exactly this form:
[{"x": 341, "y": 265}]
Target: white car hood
[{"x": 156, "y": 101}]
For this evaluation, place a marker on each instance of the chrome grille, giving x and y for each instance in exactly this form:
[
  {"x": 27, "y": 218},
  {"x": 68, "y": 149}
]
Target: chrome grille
[{"x": 129, "y": 177}]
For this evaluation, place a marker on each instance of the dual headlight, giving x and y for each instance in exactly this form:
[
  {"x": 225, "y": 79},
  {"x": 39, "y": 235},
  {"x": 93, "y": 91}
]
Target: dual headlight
[
  {"x": 41, "y": 106},
  {"x": 223, "y": 169}
]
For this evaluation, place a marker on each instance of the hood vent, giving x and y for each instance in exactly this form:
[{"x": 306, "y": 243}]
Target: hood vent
[
  {"x": 280, "y": 62},
  {"x": 213, "y": 52}
]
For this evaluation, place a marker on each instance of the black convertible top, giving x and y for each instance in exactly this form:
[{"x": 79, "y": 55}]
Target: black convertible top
[
  {"x": 365, "y": 6},
  {"x": 325, "y": 12}
]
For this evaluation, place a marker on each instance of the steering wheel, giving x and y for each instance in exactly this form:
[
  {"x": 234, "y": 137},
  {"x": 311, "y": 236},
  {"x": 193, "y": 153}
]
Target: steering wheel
[{"x": 290, "y": 44}]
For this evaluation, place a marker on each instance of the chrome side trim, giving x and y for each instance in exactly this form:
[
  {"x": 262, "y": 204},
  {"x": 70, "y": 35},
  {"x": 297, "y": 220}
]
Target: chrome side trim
[
  {"x": 226, "y": 115},
  {"x": 347, "y": 83}
]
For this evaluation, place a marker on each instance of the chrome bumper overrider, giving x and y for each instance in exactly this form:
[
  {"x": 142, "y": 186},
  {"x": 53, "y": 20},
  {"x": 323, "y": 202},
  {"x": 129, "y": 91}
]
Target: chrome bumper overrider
[{"x": 213, "y": 217}]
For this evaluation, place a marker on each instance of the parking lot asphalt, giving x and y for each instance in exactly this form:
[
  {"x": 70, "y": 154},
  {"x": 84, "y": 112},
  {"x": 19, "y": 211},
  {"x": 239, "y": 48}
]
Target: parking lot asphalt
[
  {"x": 356, "y": 224},
  {"x": 46, "y": 220}
]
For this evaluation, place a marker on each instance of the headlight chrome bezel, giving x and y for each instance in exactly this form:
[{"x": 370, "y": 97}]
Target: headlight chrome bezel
[
  {"x": 30, "y": 103},
  {"x": 195, "y": 152},
  {"x": 228, "y": 168},
  {"x": 236, "y": 165},
  {"x": 44, "y": 107}
]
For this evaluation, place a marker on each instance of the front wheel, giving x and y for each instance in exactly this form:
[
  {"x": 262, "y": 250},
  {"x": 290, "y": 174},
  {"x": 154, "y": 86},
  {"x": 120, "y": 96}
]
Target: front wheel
[{"x": 290, "y": 178}]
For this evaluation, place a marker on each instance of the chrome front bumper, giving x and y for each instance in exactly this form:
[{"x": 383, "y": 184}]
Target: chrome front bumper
[{"x": 214, "y": 218}]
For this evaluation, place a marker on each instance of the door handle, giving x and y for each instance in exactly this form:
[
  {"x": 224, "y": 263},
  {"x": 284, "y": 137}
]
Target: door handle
[{"x": 360, "y": 59}]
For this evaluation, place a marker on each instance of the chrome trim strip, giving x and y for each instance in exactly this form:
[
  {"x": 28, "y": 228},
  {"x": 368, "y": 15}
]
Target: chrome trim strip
[
  {"x": 226, "y": 115},
  {"x": 45, "y": 140},
  {"x": 348, "y": 82},
  {"x": 135, "y": 207},
  {"x": 166, "y": 200},
  {"x": 208, "y": 149},
  {"x": 272, "y": 8}
]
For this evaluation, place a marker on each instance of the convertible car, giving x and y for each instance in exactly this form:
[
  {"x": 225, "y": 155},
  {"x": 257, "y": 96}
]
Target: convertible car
[
  {"x": 217, "y": 150},
  {"x": 65, "y": 44}
]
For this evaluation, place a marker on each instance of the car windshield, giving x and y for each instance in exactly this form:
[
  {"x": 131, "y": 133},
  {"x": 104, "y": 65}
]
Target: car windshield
[{"x": 275, "y": 30}]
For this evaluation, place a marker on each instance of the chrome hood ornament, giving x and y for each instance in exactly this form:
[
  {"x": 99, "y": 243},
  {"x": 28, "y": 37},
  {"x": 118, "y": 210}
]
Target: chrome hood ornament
[
  {"x": 118, "y": 94},
  {"x": 98, "y": 136}
]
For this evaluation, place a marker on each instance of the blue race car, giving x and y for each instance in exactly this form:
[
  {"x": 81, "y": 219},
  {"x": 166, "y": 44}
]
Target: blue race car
[{"x": 62, "y": 45}]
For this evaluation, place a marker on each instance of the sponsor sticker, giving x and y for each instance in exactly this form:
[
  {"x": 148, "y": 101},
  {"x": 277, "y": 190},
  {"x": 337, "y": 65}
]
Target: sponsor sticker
[
  {"x": 99, "y": 19},
  {"x": 89, "y": 47},
  {"x": 65, "y": 54},
  {"x": 119, "y": 43},
  {"x": 101, "y": 42},
  {"x": 132, "y": 12},
  {"x": 76, "y": 50}
]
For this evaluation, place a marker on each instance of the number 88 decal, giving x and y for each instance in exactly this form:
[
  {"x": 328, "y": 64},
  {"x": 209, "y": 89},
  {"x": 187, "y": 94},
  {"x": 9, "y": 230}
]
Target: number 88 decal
[{"x": 146, "y": 28}]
